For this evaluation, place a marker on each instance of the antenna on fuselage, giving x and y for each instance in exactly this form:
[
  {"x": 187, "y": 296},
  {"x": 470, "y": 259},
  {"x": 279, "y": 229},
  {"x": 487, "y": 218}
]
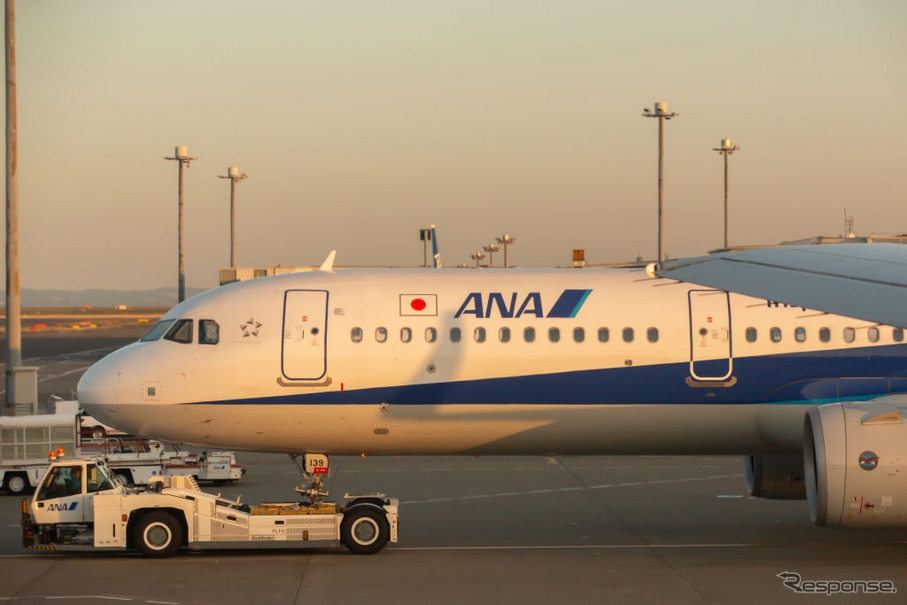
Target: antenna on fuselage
[
  {"x": 435, "y": 252},
  {"x": 328, "y": 264}
]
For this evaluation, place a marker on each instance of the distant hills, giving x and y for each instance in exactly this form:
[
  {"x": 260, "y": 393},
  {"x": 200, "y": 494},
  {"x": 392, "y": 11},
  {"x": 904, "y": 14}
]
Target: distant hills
[{"x": 162, "y": 297}]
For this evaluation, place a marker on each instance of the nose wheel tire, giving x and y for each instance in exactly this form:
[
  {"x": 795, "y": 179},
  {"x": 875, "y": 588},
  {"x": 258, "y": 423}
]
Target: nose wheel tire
[
  {"x": 364, "y": 530},
  {"x": 158, "y": 535}
]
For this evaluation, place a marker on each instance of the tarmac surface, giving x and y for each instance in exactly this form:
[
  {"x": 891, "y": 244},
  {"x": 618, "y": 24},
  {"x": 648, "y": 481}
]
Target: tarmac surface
[{"x": 483, "y": 530}]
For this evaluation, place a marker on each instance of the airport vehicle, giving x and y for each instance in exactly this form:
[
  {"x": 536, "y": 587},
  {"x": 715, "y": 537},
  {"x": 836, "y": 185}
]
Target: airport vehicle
[
  {"x": 26, "y": 440},
  {"x": 80, "y": 506},
  {"x": 494, "y": 361}
]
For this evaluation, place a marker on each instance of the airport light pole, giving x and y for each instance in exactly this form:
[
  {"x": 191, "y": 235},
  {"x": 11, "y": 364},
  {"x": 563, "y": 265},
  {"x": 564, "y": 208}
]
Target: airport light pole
[
  {"x": 505, "y": 241},
  {"x": 181, "y": 156},
  {"x": 234, "y": 176},
  {"x": 478, "y": 256},
  {"x": 13, "y": 301},
  {"x": 726, "y": 149},
  {"x": 661, "y": 112},
  {"x": 425, "y": 236},
  {"x": 491, "y": 249}
]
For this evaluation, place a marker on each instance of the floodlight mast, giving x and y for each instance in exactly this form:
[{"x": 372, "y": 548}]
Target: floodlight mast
[
  {"x": 182, "y": 156},
  {"x": 234, "y": 176},
  {"x": 13, "y": 300},
  {"x": 661, "y": 112},
  {"x": 478, "y": 256},
  {"x": 726, "y": 149},
  {"x": 505, "y": 241},
  {"x": 491, "y": 249}
]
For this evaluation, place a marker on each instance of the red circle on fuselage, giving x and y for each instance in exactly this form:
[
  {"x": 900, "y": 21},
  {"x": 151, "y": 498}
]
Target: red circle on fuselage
[{"x": 417, "y": 304}]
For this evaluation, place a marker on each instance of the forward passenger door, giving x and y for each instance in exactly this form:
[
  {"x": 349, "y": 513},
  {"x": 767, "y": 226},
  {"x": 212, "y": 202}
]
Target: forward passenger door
[{"x": 303, "y": 350}]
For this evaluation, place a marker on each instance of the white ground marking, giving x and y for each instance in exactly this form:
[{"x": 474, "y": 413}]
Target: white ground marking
[{"x": 572, "y": 489}]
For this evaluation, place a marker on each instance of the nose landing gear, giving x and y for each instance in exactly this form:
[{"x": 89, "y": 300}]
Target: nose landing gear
[{"x": 314, "y": 469}]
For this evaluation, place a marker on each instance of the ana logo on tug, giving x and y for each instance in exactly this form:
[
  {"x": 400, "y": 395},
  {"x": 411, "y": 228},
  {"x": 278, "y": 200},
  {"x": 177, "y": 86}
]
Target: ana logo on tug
[
  {"x": 63, "y": 506},
  {"x": 567, "y": 305}
]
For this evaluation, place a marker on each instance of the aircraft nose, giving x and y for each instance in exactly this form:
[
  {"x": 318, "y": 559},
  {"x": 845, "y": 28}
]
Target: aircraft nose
[{"x": 97, "y": 390}]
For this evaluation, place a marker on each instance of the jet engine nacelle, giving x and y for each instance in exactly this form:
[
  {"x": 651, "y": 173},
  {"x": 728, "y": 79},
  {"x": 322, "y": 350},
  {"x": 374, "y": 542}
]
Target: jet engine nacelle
[
  {"x": 855, "y": 458},
  {"x": 775, "y": 477}
]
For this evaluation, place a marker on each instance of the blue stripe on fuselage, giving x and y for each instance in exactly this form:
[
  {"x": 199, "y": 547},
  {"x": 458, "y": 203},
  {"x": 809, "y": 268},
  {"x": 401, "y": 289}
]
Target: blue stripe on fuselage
[{"x": 796, "y": 378}]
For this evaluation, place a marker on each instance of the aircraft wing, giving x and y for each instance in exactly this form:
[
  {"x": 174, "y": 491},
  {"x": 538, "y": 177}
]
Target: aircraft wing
[{"x": 865, "y": 281}]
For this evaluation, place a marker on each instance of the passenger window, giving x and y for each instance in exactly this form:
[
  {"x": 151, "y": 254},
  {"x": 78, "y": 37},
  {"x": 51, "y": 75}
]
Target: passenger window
[
  {"x": 180, "y": 332},
  {"x": 628, "y": 334},
  {"x": 455, "y": 335},
  {"x": 775, "y": 334},
  {"x": 554, "y": 334},
  {"x": 356, "y": 334},
  {"x": 800, "y": 334},
  {"x": 504, "y": 334},
  {"x": 652, "y": 334},
  {"x": 381, "y": 334},
  {"x": 897, "y": 334},
  {"x": 849, "y": 334},
  {"x": 208, "y": 332},
  {"x": 824, "y": 334},
  {"x": 431, "y": 335},
  {"x": 579, "y": 335},
  {"x": 603, "y": 334},
  {"x": 529, "y": 334},
  {"x": 873, "y": 334},
  {"x": 751, "y": 335},
  {"x": 406, "y": 335},
  {"x": 157, "y": 330},
  {"x": 479, "y": 334}
]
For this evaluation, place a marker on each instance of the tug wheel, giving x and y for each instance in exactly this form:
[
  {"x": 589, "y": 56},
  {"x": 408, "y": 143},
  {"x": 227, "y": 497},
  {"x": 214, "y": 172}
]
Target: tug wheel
[
  {"x": 158, "y": 535},
  {"x": 16, "y": 484},
  {"x": 364, "y": 530}
]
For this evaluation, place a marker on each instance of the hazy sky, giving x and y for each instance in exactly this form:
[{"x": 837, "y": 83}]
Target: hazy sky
[{"x": 360, "y": 122}]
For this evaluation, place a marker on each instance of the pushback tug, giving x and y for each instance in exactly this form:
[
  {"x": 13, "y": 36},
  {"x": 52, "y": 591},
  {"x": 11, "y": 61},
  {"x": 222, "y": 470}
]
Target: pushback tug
[{"x": 80, "y": 506}]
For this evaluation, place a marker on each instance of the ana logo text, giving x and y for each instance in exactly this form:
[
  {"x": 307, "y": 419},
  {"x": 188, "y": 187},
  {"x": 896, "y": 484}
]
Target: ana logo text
[
  {"x": 63, "y": 506},
  {"x": 567, "y": 305}
]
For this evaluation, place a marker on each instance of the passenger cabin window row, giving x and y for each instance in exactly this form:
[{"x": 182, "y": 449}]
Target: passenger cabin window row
[
  {"x": 504, "y": 334},
  {"x": 848, "y": 334},
  {"x": 182, "y": 331}
]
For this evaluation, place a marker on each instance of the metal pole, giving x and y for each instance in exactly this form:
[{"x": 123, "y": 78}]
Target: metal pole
[
  {"x": 661, "y": 233},
  {"x": 505, "y": 254},
  {"x": 726, "y": 149},
  {"x": 232, "y": 223},
  {"x": 725, "y": 201},
  {"x": 661, "y": 112},
  {"x": 181, "y": 290},
  {"x": 13, "y": 302}
]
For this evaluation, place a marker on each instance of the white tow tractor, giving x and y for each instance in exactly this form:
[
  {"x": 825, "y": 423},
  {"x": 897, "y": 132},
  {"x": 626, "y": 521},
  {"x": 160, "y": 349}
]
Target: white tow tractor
[{"x": 80, "y": 506}]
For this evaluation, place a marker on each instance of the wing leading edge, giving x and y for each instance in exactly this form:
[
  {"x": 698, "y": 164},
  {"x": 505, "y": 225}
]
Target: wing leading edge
[{"x": 865, "y": 281}]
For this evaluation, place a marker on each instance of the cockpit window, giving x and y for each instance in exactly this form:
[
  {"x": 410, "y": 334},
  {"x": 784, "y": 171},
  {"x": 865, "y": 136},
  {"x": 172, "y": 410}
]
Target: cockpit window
[
  {"x": 181, "y": 331},
  {"x": 157, "y": 330},
  {"x": 208, "y": 332}
]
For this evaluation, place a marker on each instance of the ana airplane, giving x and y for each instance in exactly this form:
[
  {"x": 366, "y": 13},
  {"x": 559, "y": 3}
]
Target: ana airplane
[{"x": 592, "y": 361}]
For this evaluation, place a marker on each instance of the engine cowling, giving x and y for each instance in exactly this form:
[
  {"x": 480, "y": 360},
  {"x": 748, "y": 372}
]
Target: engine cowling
[
  {"x": 855, "y": 458},
  {"x": 775, "y": 477}
]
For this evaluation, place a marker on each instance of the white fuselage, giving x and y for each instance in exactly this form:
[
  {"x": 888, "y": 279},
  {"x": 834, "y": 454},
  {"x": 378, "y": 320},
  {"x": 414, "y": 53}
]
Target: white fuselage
[{"x": 592, "y": 361}]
